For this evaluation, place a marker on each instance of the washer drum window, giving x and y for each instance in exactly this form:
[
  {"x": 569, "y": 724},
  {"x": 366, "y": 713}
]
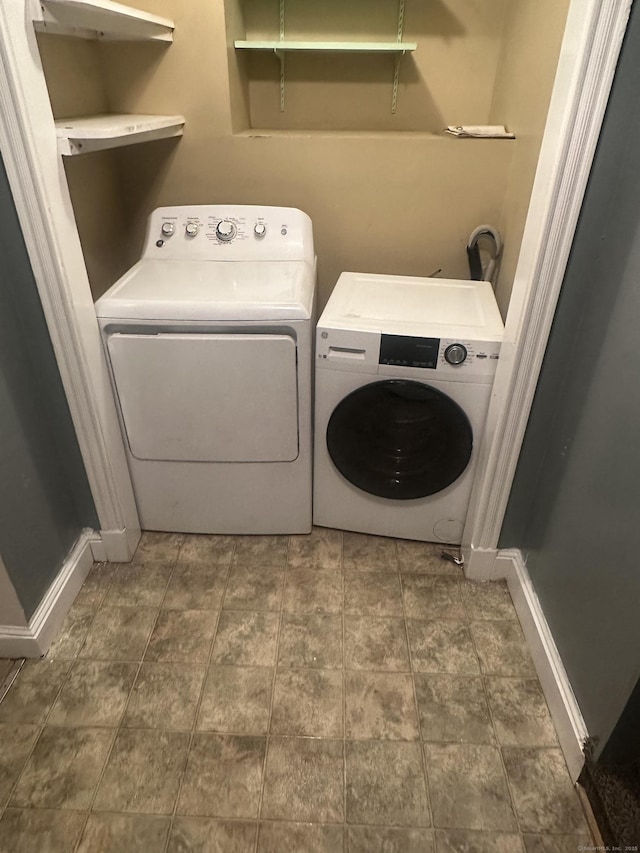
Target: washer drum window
[{"x": 399, "y": 439}]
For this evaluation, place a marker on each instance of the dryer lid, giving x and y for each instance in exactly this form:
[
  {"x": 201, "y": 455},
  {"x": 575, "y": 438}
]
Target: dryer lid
[{"x": 211, "y": 290}]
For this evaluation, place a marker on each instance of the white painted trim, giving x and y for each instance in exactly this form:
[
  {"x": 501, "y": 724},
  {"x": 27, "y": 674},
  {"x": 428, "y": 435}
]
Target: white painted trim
[
  {"x": 41, "y": 196},
  {"x": 588, "y": 58},
  {"x": 33, "y": 640},
  {"x": 565, "y": 711}
]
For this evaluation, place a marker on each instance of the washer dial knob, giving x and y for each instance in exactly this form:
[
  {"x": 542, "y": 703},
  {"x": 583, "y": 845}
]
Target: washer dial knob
[
  {"x": 191, "y": 229},
  {"x": 225, "y": 230},
  {"x": 259, "y": 229},
  {"x": 455, "y": 353},
  {"x": 168, "y": 228}
]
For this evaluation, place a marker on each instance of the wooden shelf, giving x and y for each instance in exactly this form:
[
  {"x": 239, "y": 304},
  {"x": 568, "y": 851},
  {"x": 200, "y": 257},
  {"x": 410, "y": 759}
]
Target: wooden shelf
[
  {"x": 99, "y": 19},
  {"x": 97, "y": 133},
  {"x": 329, "y": 46}
]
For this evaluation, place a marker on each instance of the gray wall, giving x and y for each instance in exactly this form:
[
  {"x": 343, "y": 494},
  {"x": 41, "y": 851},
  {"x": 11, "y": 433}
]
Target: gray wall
[
  {"x": 44, "y": 495},
  {"x": 575, "y": 505}
]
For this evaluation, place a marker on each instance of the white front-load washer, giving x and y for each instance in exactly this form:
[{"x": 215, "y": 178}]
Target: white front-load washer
[
  {"x": 404, "y": 372},
  {"x": 208, "y": 340}
]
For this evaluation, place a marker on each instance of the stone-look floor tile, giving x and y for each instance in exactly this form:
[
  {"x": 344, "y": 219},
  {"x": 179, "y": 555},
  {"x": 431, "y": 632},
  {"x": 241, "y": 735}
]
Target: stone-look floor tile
[
  {"x": 203, "y": 835},
  {"x": 194, "y": 586},
  {"x": 380, "y": 705},
  {"x": 223, "y": 776},
  {"x": 108, "y": 833},
  {"x": 468, "y": 787},
  {"x": 375, "y": 643},
  {"x": 6, "y": 665},
  {"x": 544, "y": 798},
  {"x": 165, "y": 696},
  {"x": 261, "y": 550},
  {"x": 33, "y": 692},
  {"x": 294, "y": 837},
  {"x": 207, "y": 551},
  {"x": 159, "y": 549},
  {"x": 426, "y": 558},
  {"x": 95, "y": 694},
  {"x": 304, "y": 780},
  {"x": 236, "y": 699},
  {"x": 119, "y": 633},
  {"x": 489, "y": 600},
  {"x": 432, "y": 597},
  {"x": 372, "y": 594},
  {"x": 558, "y": 843},
  {"x": 392, "y": 839},
  {"x": 365, "y": 553},
  {"x": 386, "y": 784},
  {"x": 136, "y": 585},
  {"x": 320, "y": 549},
  {"x": 457, "y": 840},
  {"x": 254, "y": 588},
  {"x": 313, "y": 591},
  {"x": 246, "y": 639},
  {"x": 143, "y": 772},
  {"x": 502, "y": 648},
  {"x": 308, "y": 702},
  {"x": 34, "y": 831},
  {"x": 444, "y": 646},
  {"x": 453, "y": 709},
  {"x": 72, "y": 633},
  {"x": 182, "y": 636},
  {"x": 520, "y": 712},
  {"x": 96, "y": 585},
  {"x": 64, "y": 769},
  {"x": 17, "y": 742},
  {"x": 311, "y": 641}
]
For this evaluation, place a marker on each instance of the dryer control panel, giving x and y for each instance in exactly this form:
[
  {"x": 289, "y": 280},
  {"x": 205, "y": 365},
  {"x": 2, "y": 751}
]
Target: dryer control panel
[{"x": 229, "y": 232}]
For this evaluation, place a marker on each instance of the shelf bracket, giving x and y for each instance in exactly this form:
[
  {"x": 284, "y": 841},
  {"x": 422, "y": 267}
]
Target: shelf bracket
[
  {"x": 280, "y": 54},
  {"x": 398, "y": 58}
]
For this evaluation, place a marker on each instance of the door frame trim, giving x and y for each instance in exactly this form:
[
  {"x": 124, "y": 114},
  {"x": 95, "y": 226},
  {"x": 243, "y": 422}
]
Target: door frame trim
[
  {"x": 41, "y": 196},
  {"x": 588, "y": 58}
]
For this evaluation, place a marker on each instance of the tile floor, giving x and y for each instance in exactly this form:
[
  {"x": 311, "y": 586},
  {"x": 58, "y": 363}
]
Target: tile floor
[{"x": 331, "y": 693}]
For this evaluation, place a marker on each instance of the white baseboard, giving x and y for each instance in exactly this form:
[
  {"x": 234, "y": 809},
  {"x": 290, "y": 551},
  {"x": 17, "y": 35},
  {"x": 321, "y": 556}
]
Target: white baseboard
[
  {"x": 34, "y": 640},
  {"x": 565, "y": 712},
  {"x": 115, "y": 546}
]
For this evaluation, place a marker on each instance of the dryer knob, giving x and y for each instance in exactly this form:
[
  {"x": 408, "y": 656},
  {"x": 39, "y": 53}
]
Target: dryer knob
[
  {"x": 259, "y": 229},
  {"x": 455, "y": 354},
  {"x": 191, "y": 229},
  {"x": 168, "y": 228},
  {"x": 225, "y": 230}
]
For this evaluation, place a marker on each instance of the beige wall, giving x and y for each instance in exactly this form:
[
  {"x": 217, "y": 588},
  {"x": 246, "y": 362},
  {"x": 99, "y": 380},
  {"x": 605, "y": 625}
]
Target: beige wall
[
  {"x": 530, "y": 50},
  {"x": 382, "y": 199},
  {"x": 383, "y": 202}
]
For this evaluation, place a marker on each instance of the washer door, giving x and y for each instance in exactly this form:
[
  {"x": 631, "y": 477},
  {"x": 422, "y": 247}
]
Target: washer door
[{"x": 399, "y": 439}]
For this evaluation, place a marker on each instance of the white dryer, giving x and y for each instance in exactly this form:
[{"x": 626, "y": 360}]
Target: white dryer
[
  {"x": 404, "y": 371},
  {"x": 208, "y": 339}
]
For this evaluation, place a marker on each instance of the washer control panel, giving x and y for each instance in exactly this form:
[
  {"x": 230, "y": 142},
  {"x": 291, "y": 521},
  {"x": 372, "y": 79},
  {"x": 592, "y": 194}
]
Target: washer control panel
[
  {"x": 406, "y": 355},
  {"x": 229, "y": 232}
]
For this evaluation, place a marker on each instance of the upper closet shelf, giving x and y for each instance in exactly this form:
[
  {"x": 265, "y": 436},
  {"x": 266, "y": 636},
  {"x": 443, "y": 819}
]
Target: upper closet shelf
[
  {"x": 99, "y": 19},
  {"x": 96, "y": 133},
  {"x": 329, "y": 46}
]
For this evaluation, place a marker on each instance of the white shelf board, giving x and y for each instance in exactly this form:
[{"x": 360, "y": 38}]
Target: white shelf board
[
  {"x": 96, "y": 133},
  {"x": 99, "y": 19},
  {"x": 329, "y": 46}
]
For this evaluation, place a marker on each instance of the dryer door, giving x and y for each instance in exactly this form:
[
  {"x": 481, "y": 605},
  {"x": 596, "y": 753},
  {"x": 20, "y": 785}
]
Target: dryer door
[
  {"x": 399, "y": 439},
  {"x": 207, "y": 397}
]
